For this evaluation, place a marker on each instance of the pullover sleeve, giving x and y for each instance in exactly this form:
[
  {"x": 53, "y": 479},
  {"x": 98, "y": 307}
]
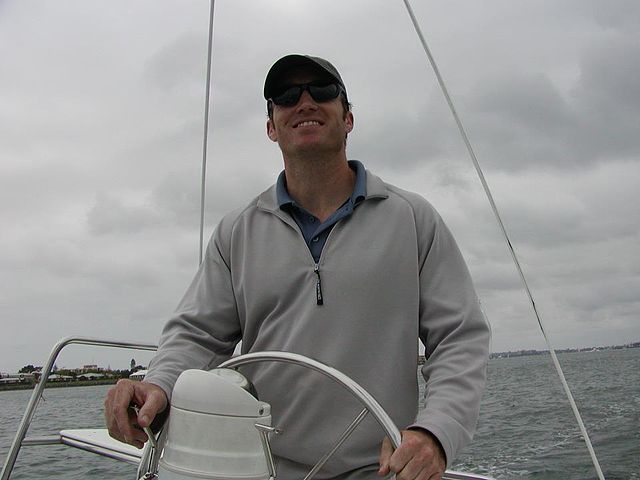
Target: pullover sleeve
[
  {"x": 455, "y": 334},
  {"x": 205, "y": 328}
]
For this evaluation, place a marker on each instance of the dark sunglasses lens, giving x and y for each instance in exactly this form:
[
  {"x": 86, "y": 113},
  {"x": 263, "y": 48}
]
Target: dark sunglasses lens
[
  {"x": 320, "y": 93},
  {"x": 324, "y": 93},
  {"x": 289, "y": 97}
]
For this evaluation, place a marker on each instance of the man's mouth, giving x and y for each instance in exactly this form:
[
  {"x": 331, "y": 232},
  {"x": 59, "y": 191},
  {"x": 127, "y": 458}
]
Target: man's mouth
[{"x": 306, "y": 123}]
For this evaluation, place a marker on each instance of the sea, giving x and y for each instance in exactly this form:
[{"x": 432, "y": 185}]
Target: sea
[{"x": 526, "y": 428}]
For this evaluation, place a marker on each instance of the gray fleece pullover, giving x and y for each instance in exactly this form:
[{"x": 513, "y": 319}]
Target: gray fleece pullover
[{"x": 390, "y": 273}]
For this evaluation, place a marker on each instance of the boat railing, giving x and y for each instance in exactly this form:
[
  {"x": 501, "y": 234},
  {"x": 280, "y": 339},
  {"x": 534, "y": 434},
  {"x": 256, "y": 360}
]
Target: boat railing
[{"x": 93, "y": 443}]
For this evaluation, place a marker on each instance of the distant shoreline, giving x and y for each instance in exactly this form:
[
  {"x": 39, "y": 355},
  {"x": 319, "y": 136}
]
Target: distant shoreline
[
  {"x": 77, "y": 383},
  {"x": 421, "y": 361},
  {"x": 526, "y": 353}
]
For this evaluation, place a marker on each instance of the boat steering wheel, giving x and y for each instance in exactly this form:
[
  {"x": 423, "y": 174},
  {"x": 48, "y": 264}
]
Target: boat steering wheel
[
  {"x": 371, "y": 406},
  {"x": 150, "y": 458}
]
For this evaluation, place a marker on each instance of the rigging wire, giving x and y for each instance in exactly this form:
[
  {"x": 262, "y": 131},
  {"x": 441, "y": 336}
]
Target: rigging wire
[
  {"x": 205, "y": 137},
  {"x": 487, "y": 191}
]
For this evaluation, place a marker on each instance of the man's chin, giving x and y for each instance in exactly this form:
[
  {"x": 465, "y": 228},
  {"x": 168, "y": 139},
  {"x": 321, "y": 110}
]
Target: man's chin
[{"x": 313, "y": 148}]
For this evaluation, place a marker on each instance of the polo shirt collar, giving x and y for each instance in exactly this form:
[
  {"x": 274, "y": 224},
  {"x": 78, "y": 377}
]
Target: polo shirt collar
[{"x": 359, "y": 189}]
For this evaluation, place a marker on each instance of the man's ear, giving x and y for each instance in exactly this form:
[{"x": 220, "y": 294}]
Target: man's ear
[
  {"x": 271, "y": 131},
  {"x": 348, "y": 121}
]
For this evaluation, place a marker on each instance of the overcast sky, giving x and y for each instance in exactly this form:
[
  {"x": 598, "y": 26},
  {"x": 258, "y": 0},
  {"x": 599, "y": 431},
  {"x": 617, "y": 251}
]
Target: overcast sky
[{"x": 101, "y": 107}]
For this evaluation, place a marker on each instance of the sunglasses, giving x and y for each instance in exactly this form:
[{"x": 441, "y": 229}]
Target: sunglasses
[{"x": 320, "y": 93}]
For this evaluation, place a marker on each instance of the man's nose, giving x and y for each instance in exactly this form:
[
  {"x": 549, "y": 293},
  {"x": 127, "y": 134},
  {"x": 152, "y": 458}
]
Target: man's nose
[{"x": 306, "y": 101}]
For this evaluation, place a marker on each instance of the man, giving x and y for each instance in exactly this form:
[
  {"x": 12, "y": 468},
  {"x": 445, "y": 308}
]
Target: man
[{"x": 333, "y": 263}]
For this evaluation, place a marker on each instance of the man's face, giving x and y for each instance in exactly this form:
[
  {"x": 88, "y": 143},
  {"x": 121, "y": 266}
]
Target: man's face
[{"x": 309, "y": 126}]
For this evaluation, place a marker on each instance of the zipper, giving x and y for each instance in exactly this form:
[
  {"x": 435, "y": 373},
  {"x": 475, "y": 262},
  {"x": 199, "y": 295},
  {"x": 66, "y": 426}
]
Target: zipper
[
  {"x": 316, "y": 266},
  {"x": 319, "y": 300}
]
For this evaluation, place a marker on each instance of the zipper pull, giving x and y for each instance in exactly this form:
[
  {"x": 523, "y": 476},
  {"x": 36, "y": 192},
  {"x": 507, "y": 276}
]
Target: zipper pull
[{"x": 319, "y": 300}]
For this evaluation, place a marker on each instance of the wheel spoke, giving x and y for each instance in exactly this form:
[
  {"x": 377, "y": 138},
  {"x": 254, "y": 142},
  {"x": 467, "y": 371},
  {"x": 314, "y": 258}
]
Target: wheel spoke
[{"x": 346, "y": 434}]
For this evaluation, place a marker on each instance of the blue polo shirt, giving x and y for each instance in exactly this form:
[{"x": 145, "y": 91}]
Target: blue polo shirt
[{"x": 314, "y": 232}]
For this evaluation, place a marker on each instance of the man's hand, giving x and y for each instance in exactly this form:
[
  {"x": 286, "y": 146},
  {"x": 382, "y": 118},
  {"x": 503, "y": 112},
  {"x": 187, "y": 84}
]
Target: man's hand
[
  {"x": 121, "y": 420},
  {"x": 420, "y": 456}
]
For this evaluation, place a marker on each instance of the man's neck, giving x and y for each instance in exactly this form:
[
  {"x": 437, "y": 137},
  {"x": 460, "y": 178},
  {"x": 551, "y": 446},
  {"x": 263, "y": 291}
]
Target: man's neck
[{"x": 320, "y": 185}]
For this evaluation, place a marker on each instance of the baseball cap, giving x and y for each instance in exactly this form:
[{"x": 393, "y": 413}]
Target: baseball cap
[{"x": 286, "y": 63}]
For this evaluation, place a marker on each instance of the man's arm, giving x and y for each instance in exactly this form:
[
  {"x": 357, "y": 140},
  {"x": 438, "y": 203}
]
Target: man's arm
[
  {"x": 202, "y": 334},
  {"x": 456, "y": 339},
  {"x": 205, "y": 328}
]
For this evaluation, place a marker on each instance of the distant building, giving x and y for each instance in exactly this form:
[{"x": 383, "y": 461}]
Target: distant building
[
  {"x": 90, "y": 368},
  {"x": 139, "y": 375},
  {"x": 11, "y": 380},
  {"x": 60, "y": 378},
  {"x": 25, "y": 376},
  {"x": 91, "y": 376}
]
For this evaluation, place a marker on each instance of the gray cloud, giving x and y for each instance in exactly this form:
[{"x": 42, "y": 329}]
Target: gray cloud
[
  {"x": 611, "y": 109},
  {"x": 101, "y": 134},
  {"x": 178, "y": 65},
  {"x": 621, "y": 15},
  {"x": 109, "y": 215}
]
